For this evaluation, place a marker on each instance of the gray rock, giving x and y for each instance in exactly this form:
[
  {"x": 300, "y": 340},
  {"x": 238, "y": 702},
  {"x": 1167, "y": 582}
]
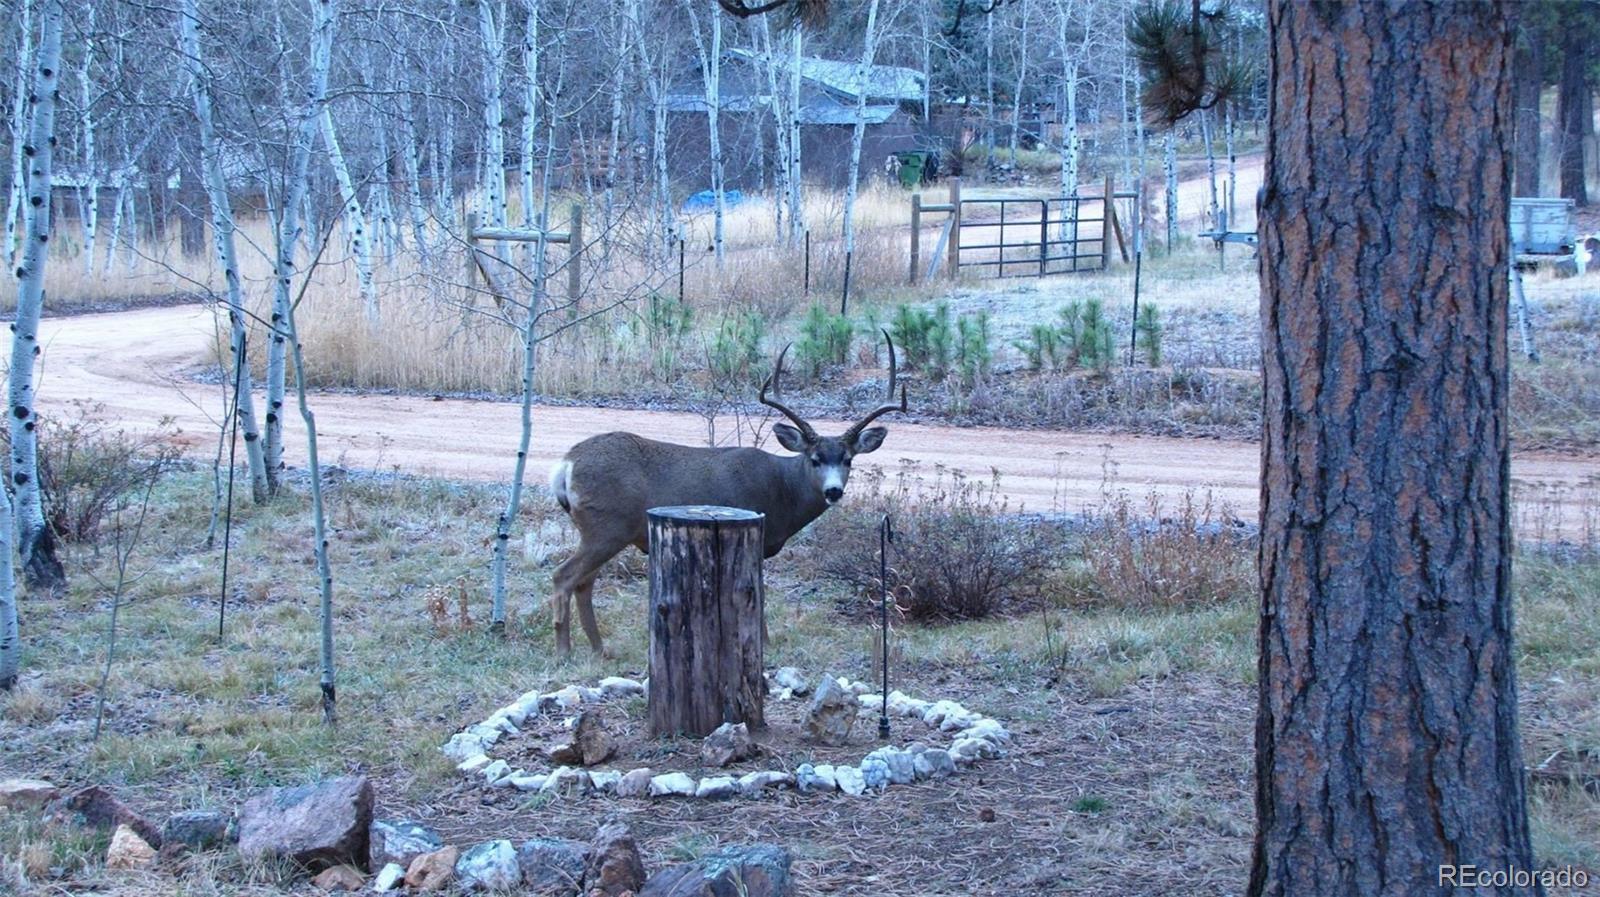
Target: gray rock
[
  {"x": 727, "y": 744},
  {"x": 790, "y": 678},
  {"x": 758, "y": 870},
  {"x": 27, "y": 794},
  {"x": 898, "y": 764},
  {"x": 490, "y": 866},
  {"x": 831, "y": 715},
  {"x": 529, "y": 782},
  {"x": 875, "y": 772},
  {"x": 389, "y": 878},
  {"x": 938, "y": 710},
  {"x": 614, "y": 863},
  {"x": 672, "y": 783},
  {"x": 604, "y": 781},
  {"x": 399, "y": 841},
  {"x": 850, "y": 780},
  {"x": 473, "y": 764},
  {"x": 635, "y": 783},
  {"x": 810, "y": 778},
  {"x": 752, "y": 783},
  {"x": 317, "y": 826},
  {"x": 717, "y": 787},
  {"x": 463, "y": 746},
  {"x": 553, "y": 867},
  {"x": 933, "y": 764},
  {"x": 620, "y": 687},
  {"x": 196, "y": 829},
  {"x": 591, "y": 744},
  {"x": 990, "y": 730},
  {"x": 495, "y": 771},
  {"x": 566, "y": 780},
  {"x": 966, "y": 751}
]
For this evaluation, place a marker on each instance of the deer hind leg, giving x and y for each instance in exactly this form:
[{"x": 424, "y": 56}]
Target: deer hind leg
[{"x": 575, "y": 579}]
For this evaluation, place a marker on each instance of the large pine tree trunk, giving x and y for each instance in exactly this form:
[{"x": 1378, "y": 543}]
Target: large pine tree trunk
[
  {"x": 222, "y": 229},
  {"x": 1529, "y": 84},
  {"x": 1386, "y": 736},
  {"x": 1575, "y": 110},
  {"x": 35, "y": 542}
]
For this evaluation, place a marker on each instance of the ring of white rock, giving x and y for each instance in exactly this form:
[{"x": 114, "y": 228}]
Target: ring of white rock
[{"x": 976, "y": 737}]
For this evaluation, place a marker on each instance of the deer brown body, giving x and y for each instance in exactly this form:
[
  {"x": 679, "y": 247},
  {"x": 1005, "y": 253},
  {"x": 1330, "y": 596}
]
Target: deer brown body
[{"x": 606, "y": 483}]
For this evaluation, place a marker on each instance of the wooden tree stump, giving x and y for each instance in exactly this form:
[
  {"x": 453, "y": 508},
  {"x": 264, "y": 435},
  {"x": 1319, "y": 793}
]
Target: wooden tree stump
[{"x": 706, "y": 612}]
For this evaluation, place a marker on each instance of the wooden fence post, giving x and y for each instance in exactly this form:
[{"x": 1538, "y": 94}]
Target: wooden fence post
[
  {"x": 1108, "y": 217},
  {"x": 954, "y": 248},
  {"x": 706, "y": 619},
  {"x": 574, "y": 251},
  {"x": 916, "y": 236}
]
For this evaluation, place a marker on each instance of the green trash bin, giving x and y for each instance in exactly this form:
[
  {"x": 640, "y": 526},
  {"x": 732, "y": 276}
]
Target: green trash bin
[{"x": 911, "y": 169}]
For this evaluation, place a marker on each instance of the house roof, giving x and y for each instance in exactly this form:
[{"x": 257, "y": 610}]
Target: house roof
[{"x": 882, "y": 82}]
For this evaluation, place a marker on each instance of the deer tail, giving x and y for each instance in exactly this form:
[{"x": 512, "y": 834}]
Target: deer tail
[{"x": 560, "y": 475}]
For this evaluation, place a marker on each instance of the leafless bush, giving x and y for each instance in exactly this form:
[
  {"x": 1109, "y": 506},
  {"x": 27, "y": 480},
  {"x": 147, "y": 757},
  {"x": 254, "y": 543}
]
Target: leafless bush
[
  {"x": 957, "y": 554},
  {"x": 1133, "y": 557},
  {"x": 86, "y": 465}
]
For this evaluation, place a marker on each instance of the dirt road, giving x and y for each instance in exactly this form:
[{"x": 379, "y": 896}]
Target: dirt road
[{"x": 134, "y": 363}]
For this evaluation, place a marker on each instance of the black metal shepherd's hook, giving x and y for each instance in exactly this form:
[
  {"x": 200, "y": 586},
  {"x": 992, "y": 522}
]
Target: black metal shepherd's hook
[{"x": 885, "y": 536}]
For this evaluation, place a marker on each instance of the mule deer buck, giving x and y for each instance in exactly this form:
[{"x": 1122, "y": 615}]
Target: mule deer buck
[{"x": 606, "y": 483}]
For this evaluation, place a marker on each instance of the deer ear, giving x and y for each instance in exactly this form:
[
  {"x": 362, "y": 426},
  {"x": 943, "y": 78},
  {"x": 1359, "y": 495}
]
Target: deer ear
[
  {"x": 789, "y": 437},
  {"x": 869, "y": 440}
]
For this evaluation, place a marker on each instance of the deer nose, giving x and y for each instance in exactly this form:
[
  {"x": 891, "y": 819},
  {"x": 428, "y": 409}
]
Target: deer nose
[{"x": 833, "y": 494}]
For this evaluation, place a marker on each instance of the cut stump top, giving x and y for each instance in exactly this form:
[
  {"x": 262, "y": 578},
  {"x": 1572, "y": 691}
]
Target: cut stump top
[{"x": 702, "y": 514}]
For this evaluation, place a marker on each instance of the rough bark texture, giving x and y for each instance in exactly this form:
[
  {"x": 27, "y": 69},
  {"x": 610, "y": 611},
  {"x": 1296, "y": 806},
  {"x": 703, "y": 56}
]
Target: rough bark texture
[
  {"x": 34, "y": 539},
  {"x": 706, "y": 608},
  {"x": 1386, "y": 740},
  {"x": 1575, "y": 109}
]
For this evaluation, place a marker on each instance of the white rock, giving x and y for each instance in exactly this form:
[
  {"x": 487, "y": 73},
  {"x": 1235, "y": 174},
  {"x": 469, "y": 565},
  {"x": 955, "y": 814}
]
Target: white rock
[
  {"x": 716, "y": 786},
  {"x": 900, "y": 765},
  {"x": 782, "y": 694},
  {"x": 620, "y": 687},
  {"x": 388, "y": 877},
  {"x": 503, "y": 723},
  {"x": 486, "y": 734},
  {"x": 463, "y": 746},
  {"x": 566, "y": 780},
  {"x": 933, "y": 764},
  {"x": 989, "y": 730},
  {"x": 672, "y": 783},
  {"x": 850, "y": 780},
  {"x": 635, "y": 783},
  {"x": 815, "y": 778},
  {"x": 970, "y": 750},
  {"x": 605, "y": 781},
  {"x": 505, "y": 781},
  {"x": 496, "y": 771},
  {"x": 517, "y": 714},
  {"x": 473, "y": 764},
  {"x": 955, "y": 722},
  {"x": 875, "y": 772},
  {"x": 751, "y": 783},
  {"x": 871, "y": 701},
  {"x": 491, "y": 866},
  {"x": 564, "y": 699},
  {"x": 790, "y": 678},
  {"x": 909, "y": 707},
  {"x": 528, "y": 783},
  {"x": 858, "y": 687}
]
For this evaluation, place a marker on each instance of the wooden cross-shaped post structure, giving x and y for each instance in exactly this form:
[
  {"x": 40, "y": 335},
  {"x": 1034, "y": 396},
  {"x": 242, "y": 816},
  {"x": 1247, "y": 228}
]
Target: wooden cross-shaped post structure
[{"x": 572, "y": 237}]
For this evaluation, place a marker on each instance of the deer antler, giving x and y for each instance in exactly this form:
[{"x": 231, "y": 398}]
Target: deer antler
[
  {"x": 773, "y": 381},
  {"x": 890, "y": 405}
]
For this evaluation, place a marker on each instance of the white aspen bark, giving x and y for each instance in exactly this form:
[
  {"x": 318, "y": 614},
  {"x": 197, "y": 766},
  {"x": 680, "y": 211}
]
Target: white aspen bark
[
  {"x": 1233, "y": 160},
  {"x": 130, "y": 245},
  {"x": 1211, "y": 165},
  {"x": 10, "y": 637},
  {"x": 35, "y": 543},
  {"x": 613, "y": 153},
  {"x": 19, "y": 127},
  {"x": 493, "y": 178},
  {"x": 222, "y": 231},
  {"x": 927, "y": 69},
  {"x": 868, "y": 51},
  {"x": 411, "y": 159},
  {"x": 530, "y": 123},
  {"x": 1169, "y": 147},
  {"x": 289, "y": 228},
  {"x": 444, "y": 182},
  {"x": 1069, "y": 152},
  {"x": 355, "y": 215},
  {"x": 1022, "y": 80},
  {"x": 378, "y": 199},
  {"x": 530, "y": 346},
  {"x": 711, "y": 76},
  {"x": 658, "y": 152},
  {"x": 797, "y": 216},
  {"x": 988, "y": 90},
  {"x": 116, "y": 225},
  {"x": 781, "y": 111},
  {"x": 91, "y": 204}
]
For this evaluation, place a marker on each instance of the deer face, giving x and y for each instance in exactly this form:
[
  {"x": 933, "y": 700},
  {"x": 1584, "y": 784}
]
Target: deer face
[{"x": 828, "y": 457}]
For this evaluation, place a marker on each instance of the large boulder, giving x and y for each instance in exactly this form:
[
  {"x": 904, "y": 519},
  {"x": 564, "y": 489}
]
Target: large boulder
[
  {"x": 26, "y": 794},
  {"x": 490, "y": 866},
  {"x": 317, "y": 826},
  {"x": 831, "y": 715},
  {"x": 553, "y": 867},
  {"x": 399, "y": 841},
  {"x": 98, "y": 808},
  {"x": 614, "y": 865},
  {"x": 759, "y": 870}
]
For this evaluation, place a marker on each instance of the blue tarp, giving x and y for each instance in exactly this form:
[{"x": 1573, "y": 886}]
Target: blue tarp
[{"x": 705, "y": 200}]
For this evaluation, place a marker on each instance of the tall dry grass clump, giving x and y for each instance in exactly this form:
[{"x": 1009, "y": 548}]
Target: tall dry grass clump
[{"x": 1194, "y": 554}]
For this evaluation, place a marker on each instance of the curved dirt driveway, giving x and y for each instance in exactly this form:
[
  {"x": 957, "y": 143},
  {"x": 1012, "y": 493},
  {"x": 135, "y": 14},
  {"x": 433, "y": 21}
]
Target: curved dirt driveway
[{"x": 134, "y": 362}]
